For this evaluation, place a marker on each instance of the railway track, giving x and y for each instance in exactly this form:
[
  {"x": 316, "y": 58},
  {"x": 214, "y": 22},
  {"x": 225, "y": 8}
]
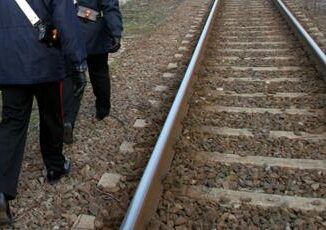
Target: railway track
[{"x": 252, "y": 150}]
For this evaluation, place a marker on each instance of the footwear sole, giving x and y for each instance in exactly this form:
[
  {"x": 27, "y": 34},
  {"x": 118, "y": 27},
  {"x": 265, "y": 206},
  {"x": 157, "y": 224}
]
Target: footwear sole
[{"x": 54, "y": 181}]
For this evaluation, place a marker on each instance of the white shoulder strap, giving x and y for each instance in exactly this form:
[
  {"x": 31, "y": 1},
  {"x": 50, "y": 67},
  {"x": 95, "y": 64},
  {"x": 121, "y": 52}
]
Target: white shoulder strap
[{"x": 28, "y": 11}]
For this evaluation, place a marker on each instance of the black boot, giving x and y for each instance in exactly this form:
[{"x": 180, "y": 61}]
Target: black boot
[
  {"x": 5, "y": 214},
  {"x": 102, "y": 112},
  {"x": 54, "y": 176},
  {"x": 68, "y": 133}
]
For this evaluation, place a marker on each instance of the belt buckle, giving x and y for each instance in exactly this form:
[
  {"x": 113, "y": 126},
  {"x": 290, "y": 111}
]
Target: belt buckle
[{"x": 87, "y": 13}]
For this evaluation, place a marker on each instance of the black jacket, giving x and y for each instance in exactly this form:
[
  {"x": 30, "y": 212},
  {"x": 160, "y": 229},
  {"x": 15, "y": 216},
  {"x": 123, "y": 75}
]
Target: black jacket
[
  {"x": 98, "y": 35},
  {"x": 23, "y": 59}
]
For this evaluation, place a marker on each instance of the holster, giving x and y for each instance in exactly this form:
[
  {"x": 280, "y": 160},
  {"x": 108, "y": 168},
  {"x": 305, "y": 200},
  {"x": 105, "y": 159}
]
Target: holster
[{"x": 48, "y": 34}]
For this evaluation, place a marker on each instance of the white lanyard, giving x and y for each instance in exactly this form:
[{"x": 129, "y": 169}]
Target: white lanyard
[{"x": 28, "y": 11}]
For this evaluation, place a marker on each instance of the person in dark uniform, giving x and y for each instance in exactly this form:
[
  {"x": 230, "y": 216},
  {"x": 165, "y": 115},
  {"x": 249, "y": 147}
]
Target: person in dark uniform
[
  {"x": 30, "y": 66},
  {"x": 101, "y": 23}
]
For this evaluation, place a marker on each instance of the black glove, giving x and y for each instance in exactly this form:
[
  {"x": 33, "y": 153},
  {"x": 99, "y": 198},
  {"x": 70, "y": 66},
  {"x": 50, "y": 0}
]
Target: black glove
[
  {"x": 80, "y": 81},
  {"x": 80, "y": 67},
  {"x": 79, "y": 78},
  {"x": 115, "y": 45}
]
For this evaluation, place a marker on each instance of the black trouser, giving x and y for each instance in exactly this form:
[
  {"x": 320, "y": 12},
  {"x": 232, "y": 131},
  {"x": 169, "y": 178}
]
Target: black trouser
[
  {"x": 71, "y": 103},
  {"x": 98, "y": 70},
  {"x": 17, "y": 106}
]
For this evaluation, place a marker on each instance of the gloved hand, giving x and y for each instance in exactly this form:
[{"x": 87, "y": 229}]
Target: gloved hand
[
  {"x": 80, "y": 81},
  {"x": 80, "y": 67},
  {"x": 116, "y": 44}
]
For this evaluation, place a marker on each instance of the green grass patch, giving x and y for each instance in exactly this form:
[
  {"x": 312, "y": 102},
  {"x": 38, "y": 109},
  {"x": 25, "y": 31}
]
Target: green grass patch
[{"x": 141, "y": 16}]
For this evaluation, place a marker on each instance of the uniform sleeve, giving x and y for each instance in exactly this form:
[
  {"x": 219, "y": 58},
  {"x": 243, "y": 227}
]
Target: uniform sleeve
[
  {"x": 65, "y": 19},
  {"x": 113, "y": 17}
]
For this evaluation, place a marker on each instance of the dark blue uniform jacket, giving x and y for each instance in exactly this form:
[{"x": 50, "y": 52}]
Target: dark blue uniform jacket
[
  {"x": 98, "y": 35},
  {"x": 23, "y": 59}
]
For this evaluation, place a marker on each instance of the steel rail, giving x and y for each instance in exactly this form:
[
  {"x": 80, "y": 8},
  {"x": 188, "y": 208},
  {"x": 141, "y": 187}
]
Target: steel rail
[
  {"x": 146, "y": 198},
  {"x": 315, "y": 51}
]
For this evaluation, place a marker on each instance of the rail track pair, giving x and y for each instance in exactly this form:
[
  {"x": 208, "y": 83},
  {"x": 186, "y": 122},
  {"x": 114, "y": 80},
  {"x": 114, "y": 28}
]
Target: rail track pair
[{"x": 250, "y": 117}]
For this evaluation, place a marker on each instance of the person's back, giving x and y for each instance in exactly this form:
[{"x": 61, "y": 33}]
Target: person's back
[
  {"x": 99, "y": 35},
  {"x": 25, "y": 60},
  {"x": 32, "y": 68}
]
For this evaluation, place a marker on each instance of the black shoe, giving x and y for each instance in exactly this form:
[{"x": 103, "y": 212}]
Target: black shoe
[
  {"x": 68, "y": 133},
  {"x": 54, "y": 176},
  {"x": 5, "y": 214},
  {"x": 102, "y": 113}
]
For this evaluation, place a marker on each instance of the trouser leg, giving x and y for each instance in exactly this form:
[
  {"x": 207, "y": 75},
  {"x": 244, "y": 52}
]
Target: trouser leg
[
  {"x": 71, "y": 104},
  {"x": 49, "y": 99},
  {"x": 98, "y": 69},
  {"x": 17, "y": 105}
]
